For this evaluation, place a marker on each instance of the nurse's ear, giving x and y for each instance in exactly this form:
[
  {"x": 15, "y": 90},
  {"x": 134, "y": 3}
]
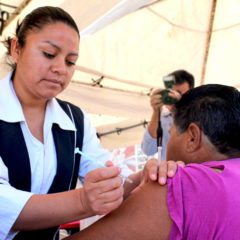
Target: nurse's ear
[{"x": 15, "y": 49}]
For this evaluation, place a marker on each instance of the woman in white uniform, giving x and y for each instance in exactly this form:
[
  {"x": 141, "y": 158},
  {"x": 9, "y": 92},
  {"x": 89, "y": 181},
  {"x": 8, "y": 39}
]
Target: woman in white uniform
[{"x": 39, "y": 135}]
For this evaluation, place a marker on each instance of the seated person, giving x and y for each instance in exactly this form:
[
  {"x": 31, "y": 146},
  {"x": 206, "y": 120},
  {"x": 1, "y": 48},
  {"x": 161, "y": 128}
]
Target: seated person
[{"x": 202, "y": 201}]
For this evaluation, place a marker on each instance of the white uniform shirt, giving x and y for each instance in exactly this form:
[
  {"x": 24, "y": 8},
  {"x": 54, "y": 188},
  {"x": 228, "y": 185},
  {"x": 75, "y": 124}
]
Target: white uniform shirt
[{"x": 42, "y": 155}]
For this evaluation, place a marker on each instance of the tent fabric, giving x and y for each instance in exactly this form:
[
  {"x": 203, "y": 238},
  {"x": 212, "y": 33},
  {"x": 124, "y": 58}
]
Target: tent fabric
[
  {"x": 224, "y": 52},
  {"x": 144, "y": 46},
  {"x": 110, "y": 110},
  {"x": 118, "y": 11}
]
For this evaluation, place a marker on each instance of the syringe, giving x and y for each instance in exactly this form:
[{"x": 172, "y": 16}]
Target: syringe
[{"x": 99, "y": 163}]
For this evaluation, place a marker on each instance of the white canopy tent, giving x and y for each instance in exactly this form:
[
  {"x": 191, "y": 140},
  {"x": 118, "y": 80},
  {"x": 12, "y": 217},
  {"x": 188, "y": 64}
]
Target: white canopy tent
[{"x": 127, "y": 47}]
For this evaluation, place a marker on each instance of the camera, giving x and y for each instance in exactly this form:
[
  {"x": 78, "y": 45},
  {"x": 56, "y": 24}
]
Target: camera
[{"x": 168, "y": 81}]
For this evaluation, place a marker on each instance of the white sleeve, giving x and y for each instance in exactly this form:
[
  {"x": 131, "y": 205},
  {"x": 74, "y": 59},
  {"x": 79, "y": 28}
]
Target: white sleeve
[
  {"x": 12, "y": 202},
  {"x": 149, "y": 144},
  {"x": 91, "y": 147}
]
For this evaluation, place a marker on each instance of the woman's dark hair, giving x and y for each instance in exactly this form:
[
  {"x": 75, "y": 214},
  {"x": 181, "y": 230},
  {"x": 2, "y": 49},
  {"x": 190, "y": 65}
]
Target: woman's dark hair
[
  {"x": 37, "y": 19},
  {"x": 216, "y": 110}
]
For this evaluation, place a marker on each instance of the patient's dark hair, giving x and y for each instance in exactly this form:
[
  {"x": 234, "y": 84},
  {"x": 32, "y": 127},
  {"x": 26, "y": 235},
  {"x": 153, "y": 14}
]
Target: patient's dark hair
[
  {"x": 216, "y": 110},
  {"x": 36, "y": 20}
]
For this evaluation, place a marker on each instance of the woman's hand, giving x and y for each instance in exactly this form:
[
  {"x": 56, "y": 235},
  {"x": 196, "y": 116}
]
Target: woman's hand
[
  {"x": 102, "y": 190},
  {"x": 154, "y": 172}
]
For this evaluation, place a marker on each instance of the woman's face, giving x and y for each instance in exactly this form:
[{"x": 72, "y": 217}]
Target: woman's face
[{"x": 45, "y": 65}]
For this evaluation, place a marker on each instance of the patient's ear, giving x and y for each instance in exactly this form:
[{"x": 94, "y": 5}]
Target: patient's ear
[{"x": 193, "y": 138}]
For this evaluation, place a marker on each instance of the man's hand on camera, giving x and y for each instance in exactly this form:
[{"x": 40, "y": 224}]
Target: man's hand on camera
[{"x": 156, "y": 100}]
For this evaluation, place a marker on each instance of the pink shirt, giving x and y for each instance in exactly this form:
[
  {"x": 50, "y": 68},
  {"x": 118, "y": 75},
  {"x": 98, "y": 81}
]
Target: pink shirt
[{"x": 205, "y": 204}]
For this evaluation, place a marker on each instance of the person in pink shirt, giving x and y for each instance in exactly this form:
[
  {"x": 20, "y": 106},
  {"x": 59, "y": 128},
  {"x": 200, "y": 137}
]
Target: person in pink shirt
[{"x": 202, "y": 201}]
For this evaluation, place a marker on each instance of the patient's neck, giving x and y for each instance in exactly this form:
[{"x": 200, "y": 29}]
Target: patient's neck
[{"x": 211, "y": 152}]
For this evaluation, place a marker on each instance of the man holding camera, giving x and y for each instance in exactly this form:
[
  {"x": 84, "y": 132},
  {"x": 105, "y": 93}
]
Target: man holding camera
[{"x": 157, "y": 132}]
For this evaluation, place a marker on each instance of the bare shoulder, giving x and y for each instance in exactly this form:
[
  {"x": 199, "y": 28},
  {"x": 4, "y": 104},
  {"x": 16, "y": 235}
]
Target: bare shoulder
[{"x": 142, "y": 216}]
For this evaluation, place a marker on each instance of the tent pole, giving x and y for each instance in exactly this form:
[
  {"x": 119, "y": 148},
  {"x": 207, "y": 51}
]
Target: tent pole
[
  {"x": 119, "y": 130},
  {"x": 208, "y": 41}
]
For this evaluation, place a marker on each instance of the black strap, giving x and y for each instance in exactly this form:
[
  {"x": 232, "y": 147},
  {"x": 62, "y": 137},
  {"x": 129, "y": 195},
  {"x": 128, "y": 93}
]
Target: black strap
[
  {"x": 64, "y": 144},
  {"x": 79, "y": 124},
  {"x": 159, "y": 132},
  {"x": 45, "y": 234}
]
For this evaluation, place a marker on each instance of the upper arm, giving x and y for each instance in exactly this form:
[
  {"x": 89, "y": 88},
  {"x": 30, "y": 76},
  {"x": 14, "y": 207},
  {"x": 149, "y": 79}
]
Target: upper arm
[
  {"x": 92, "y": 147},
  {"x": 144, "y": 215}
]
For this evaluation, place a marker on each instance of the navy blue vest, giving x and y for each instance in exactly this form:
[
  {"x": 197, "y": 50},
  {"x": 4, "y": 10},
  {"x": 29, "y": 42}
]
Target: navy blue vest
[{"x": 14, "y": 154}]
